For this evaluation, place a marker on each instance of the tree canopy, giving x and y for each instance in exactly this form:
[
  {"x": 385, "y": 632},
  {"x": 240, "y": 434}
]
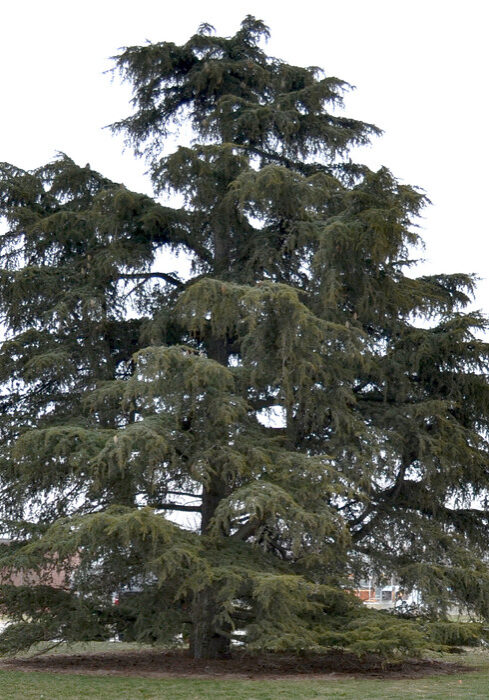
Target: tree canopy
[{"x": 235, "y": 448}]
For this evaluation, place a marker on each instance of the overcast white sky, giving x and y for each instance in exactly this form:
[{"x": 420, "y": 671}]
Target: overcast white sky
[{"x": 420, "y": 69}]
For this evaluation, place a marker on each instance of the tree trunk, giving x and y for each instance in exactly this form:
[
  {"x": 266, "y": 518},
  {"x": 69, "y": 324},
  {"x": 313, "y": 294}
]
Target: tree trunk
[{"x": 209, "y": 640}]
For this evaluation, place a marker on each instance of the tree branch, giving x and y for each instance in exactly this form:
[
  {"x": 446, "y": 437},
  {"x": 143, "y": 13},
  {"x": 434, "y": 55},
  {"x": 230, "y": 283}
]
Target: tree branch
[
  {"x": 246, "y": 530},
  {"x": 304, "y": 168},
  {"x": 176, "y": 506},
  {"x": 184, "y": 493},
  {"x": 152, "y": 275}
]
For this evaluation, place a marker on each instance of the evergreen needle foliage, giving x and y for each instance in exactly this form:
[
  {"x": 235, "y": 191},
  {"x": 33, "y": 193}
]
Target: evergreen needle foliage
[{"x": 131, "y": 396}]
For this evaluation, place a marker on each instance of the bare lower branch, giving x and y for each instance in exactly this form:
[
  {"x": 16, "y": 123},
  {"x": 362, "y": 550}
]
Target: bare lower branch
[{"x": 176, "y": 506}]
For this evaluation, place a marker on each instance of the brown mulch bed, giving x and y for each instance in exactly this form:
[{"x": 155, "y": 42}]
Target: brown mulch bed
[{"x": 273, "y": 666}]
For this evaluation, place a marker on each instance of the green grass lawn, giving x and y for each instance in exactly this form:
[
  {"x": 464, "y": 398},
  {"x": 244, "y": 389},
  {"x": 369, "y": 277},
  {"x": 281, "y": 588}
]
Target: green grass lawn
[{"x": 20, "y": 685}]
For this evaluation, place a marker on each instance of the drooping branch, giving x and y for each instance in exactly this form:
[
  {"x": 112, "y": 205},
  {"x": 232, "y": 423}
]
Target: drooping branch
[{"x": 152, "y": 275}]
